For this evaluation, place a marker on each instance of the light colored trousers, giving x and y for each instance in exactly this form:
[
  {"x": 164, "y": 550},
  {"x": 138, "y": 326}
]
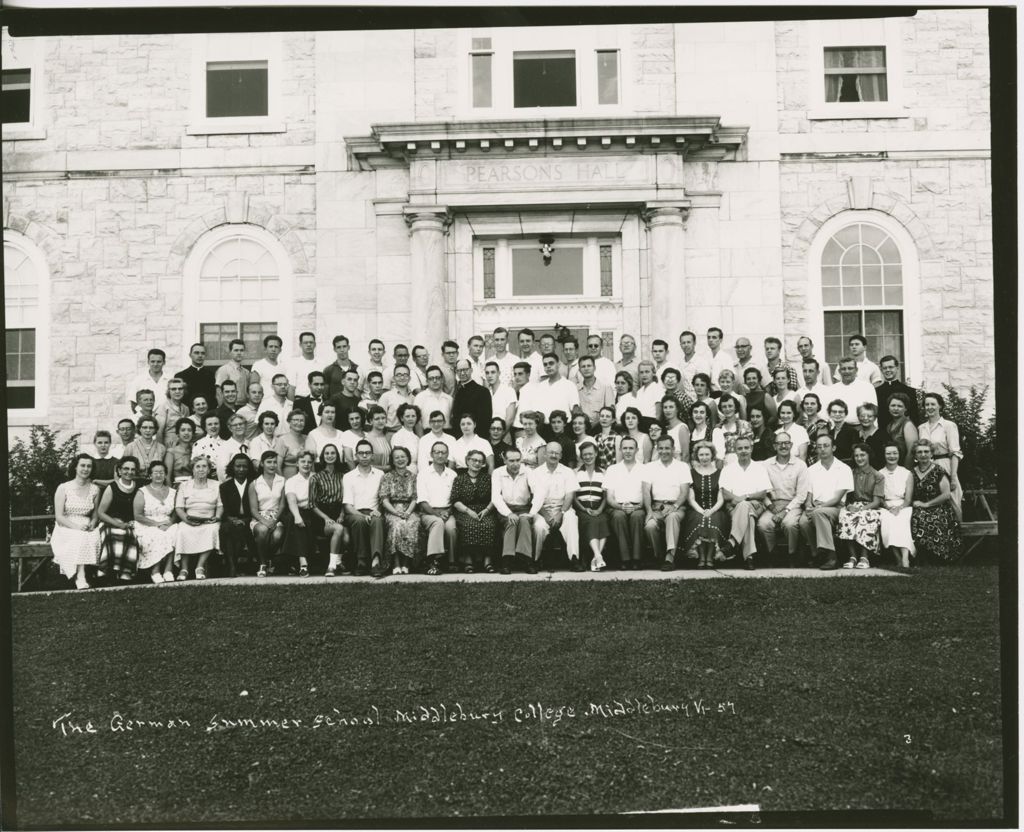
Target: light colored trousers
[
  {"x": 517, "y": 533},
  {"x": 744, "y": 518},
  {"x": 818, "y": 526},
  {"x": 441, "y": 535},
  {"x": 570, "y": 531},
  {"x": 663, "y": 532},
  {"x": 790, "y": 525}
]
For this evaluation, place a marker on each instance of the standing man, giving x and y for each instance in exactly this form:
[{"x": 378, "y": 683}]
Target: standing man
[
  {"x": 812, "y": 381},
  {"x": 570, "y": 359},
  {"x": 233, "y": 371},
  {"x": 152, "y": 378},
  {"x": 278, "y": 402},
  {"x": 502, "y": 357},
  {"x": 306, "y": 363},
  {"x": 510, "y": 493},
  {"x": 434, "y": 398},
  {"x": 629, "y": 361},
  {"x": 450, "y": 354},
  {"x": 475, "y": 348},
  {"x": 592, "y": 394},
  {"x": 503, "y": 397},
  {"x": 347, "y": 398},
  {"x": 434, "y": 491},
  {"x": 527, "y": 354},
  {"x": 745, "y": 485},
  {"x": 376, "y": 362},
  {"x": 420, "y": 362},
  {"x": 867, "y": 370},
  {"x": 361, "y": 487},
  {"x": 891, "y": 383},
  {"x": 785, "y": 504},
  {"x": 526, "y": 399},
  {"x": 373, "y": 390},
  {"x": 401, "y": 356},
  {"x": 199, "y": 379},
  {"x": 227, "y": 408},
  {"x": 624, "y": 490},
  {"x": 828, "y": 483},
  {"x": 604, "y": 369},
  {"x": 666, "y": 486},
  {"x": 744, "y": 362},
  {"x": 720, "y": 359},
  {"x": 334, "y": 373},
  {"x": 659, "y": 355},
  {"x": 773, "y": 357},
  {"x": 471, "y": 398},
  {"x": 397, "y": 395},
  {"x": 313, "y": 404},
  {"x": 853, "y": 390},
  {"x": 553, "y": 486},
  {"x": 553, "y": 392},
  {"x": 270, "y": 365},
  {"x": 805, "y": 346},
  {"x": 251, "y": 410},
  {"x": 691, "y": 363}
]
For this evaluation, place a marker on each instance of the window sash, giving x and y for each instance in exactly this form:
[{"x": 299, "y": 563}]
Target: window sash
[
  {"x": 237, "y": 89},
  {"x": 216, "y": 335},
  {"x": 544, "y": 79},
  {"x": 16, "y": 96},
  {"x": 601, "y": 265},
  {"x": 607, "y": 76}
]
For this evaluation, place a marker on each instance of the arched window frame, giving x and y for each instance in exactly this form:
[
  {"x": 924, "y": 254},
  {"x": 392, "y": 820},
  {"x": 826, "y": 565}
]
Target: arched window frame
[
  {"x": 33, "y": 415},
  {"x": 191, "y": 320},
  {"x": 911, "y": 306}
]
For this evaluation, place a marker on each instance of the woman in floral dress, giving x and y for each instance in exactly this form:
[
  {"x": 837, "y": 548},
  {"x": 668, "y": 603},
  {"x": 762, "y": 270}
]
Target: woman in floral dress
[
  {"x": 732, "y": 426},
  {"x": 474, "y": 513},
  {"x": 706, "y": 525},
  {"x": 934, "y": 525},
  {"x": 154, "y": 518},
  {"x": 860, "y": 519},
  {"x": 398, "y": 501}
]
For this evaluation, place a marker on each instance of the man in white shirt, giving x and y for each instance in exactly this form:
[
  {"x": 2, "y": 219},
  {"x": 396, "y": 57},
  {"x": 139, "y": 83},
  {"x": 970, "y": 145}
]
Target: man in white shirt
[
  {"x": 234, "y": 444},
  {"x": 867, "y": 370},
  {"x": 649, "y": 394},
  {"x": 719, "y": 359},
  {"x": 233, "y": 371},
  {"x": 553, "y": 486},
  {"x": 434, "y": 492},
  {"x": 475, "y": 357},
  {"x": 659, "y": 356},
  {"x": 553, "y": 392},
  {"x": 690, "y": 363},
  {"x": 629, "y": 361},
  {"x": 270, "y": 365},
  {"x": 434, "y": 398},
  {"x": 785, "y": 504},
  {"x": 828, "y": 483},
  {"x": 510, "y": 493},
  {"x": 401, "y": 356},
  {"x": 502, "y": 357},
  {"x": 812, "y": 376},
  {"x": 526, "y": 398},
  {"x": 361, "y": 487},
  {"x": 424, "y": 455},
  {"x": 503, "y": 397},
  {"x": 526, "y": 353},
  {"x": 252, "y": 410},
  {"x": 805, "y": 346},
  {"x": 604, "y": 369},
  {"x": 745, "y": 485},
  {"x": 278, "y": 402},
  {"x": 376, "y": 362},
  {"x": 152, "y": 378},
  {"x": 420, "y": 363},
  {"x": 396, "y": 396},
  {"x": 624, "y": 492},
  {"x": 851, "y": 390},
  {"x": 305, "y": 363},
  {"x": 570, "y": 368},
  {"x": 744, "y": 362},
  {"x": 667, "y": 484}
]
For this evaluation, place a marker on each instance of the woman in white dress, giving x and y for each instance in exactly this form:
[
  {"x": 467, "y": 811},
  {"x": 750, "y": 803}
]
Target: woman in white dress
[
  {"x": 676, "y": 428},
  {"x": 326, "y": 434},
  {"x": 348, "y": 439},
  {"x": 530, "y": 443},
  {"x": 896, "y": 506},
  {"x": 700, "y": 429},
  {"x": 787, "y": 421},
  {"x": 154, "y": 517},
  {"x": 405, "y": 436},
  {"x": 76, "y": 538},
  {"x": 198, "y": 506},
  {"x": 469, "y": 441},
  {"x": 624, "y": 395}
]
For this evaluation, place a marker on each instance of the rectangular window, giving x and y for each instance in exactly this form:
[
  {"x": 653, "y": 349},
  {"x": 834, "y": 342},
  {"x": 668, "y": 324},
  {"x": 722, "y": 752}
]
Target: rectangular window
[
  {"x": 606, "y": 271},
  {"x": 882, "y": 329},
  {"x": 217, "y": 337},
  {"x": 489, "y": 272},
  {"x": 564, "y": 275},
  {"x": 544, "y": 79},
  {"x": 16, "y": 96},
  {"x": 21, "y": 369},
  {"x": 481, "y": 60},
  {"x": 855, "y": 74},
  {"x": 607, "y": 76},
  {"x": 236, "y": 88}
]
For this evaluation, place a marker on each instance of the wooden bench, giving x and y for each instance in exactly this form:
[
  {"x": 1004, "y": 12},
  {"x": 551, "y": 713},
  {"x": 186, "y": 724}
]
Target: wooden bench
[
  {"x": 28, "y": 552},
  {"x": 975, "y": 531}
]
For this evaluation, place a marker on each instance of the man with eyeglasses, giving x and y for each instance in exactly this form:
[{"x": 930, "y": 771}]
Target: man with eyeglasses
[
  {"x": 434, "y": 492},
  {"x": 744, "y": 362},
  {"x": 604, "y": 369},
  {"x": 630, "y": 361},
  {"x": 785, "y": 503},
  {"x": 434, "y": 398},
  {"x": 361, "y": 489},
  {"x": 401, "y": 356},
  {"x": 450, "y": 354}
]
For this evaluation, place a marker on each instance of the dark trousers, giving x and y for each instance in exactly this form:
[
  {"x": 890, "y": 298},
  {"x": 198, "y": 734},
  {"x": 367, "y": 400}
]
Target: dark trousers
[{"x": 628, "y": 530}]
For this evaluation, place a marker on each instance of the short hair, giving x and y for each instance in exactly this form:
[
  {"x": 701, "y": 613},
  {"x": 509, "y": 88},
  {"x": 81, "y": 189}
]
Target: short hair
[
  {"x": 228, "y": 383},
  {"x": 313, "y": 375},
  {"x": 891, "y": 358},
  {"x": 702, "y": 443},
  {"x": 74, "y": 464},
  {"x": 374, "y": 373},
  {"x": 781, "y": 432},
  {"x": 847, "y": 359},
  {"x": 269, "y": 338},
  {"x": 210, "y": 415},
  {"x": 628, "y": 438},
  {"x": 716, "y": 329},
  {"x": 234, "y": 459},
  {"x": 891, "y": 443},
  {"x": 126, "y": 419},
  {"x": 753, "y": 370},
  {"x": 776, "y": 371},
  {"x": 861, "y": 446},
  {"x": 500, "y": 330},
  {"x": 398, "y": 347},
  {"x": 635, "y": 411},
  {"x": 135, "y": 461},
  {"x": 304, "y": 334},
  {"x": 375, "y": 410},
  {"x": 178, "y": 425},
  {"x": 869, "y": 407},
  {"x": 501, "y": 421},
  {"x": 760, "y": 408},
  {"x": 790, "y": 404},
  {"x": 494, "y": 364},
  {"x": 533, "y": 415},
  {"x": 433, "y": 368},
  {"x": 857, "y": 337},
  {"x": 105, "y": 434},
  {"x": 434, "y": 414},
  {"x": 813, "y": 361},
  {"x": 403, "y": 367},
  {"x": 337, "y": 339},
  {"x": 292, "y": 414},
  {"x": 523, "y": 365},
  {"x": 659, "y": 342},
  {"x": 824, "y": 435},
  {"x": 175, "y": 380},
  {"x": 434, "y": 446},
  {"x": 923, "y": 443},
  {"x": 572, "y": 339},
  {"x": 476, "y": 452},
  {"x": 268, "y": 414},
  {"x": 673, "y": 370},
  {"x": 526, "y": 331},
  {"x": 363, "y": 443},
  {"x": 265, "y": 456},
  {"x": 685, "y": 332},
  {"x": 306, "y": 453},
  {"x": 196, "y": 344},
  {"x": 402, "y": 449},
  {"x": 233, "y": 342},
  {"x": 812, "y": 395},
  {"x": 144, "y": 419},
  {"x": 155, "y": 463},
  {"x": 771, "y": 339},
  {"x": 473, "y": 338},
  {"x": 900, "y": 397},
  {"x": 623, "y": 375},
  {"x": 512, "y": 450},
  {"x": 589, "y": 358},
  {"x": 558, "y": 414},
  {"x": 469, "y": 416},
  {"x": 405, "y": 407},
  {"x": 375, "y": 341},
  {"x": 725, "y": 397},
  {"x": 140, "y": 393},
  {"x": 351, "y": 371},
  {"x": 156, "y": 351},
  {"x": 700, "y": 403},
  {"x": 646, "y": 362},
  {"x": 450, "y": 345},
  {"x": 838, "y": 403},
  {"x": 235, "y": 417},
  {"x": 549, "y": 336},
  {"x": 703, "y": 377},
  {"x": 418, "y": 347},
  {"x": 276, "y": 376},
  {"x": 550, "y": 355},
  {"x": 666, "y": 437}
]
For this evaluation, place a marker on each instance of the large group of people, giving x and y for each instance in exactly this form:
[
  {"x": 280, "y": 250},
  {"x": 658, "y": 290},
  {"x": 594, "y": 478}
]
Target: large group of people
[{"x": 471, "y": 463}]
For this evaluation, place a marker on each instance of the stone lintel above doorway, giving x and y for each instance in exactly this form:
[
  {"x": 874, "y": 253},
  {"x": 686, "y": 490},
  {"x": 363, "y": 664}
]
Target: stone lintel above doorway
[{"x": 397, "y": 144}]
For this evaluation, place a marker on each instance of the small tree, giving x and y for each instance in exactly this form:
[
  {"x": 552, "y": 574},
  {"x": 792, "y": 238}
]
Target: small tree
[{"x": 37, "y": 468}]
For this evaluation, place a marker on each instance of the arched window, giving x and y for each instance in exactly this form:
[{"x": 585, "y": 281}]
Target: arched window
[
  {"x": 240, "y": 278},
  {"x": 26, "y": 307},
  {"x": 864, "y": 274}
]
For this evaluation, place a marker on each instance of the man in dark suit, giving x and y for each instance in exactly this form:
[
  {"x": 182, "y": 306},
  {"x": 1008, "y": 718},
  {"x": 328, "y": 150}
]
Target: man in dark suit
[
  {"x": 235, "y": 536},
  {"x": 312, "y": 404},
  {"x": 199, "y": 379},
  {"x": 844, "y": 436},
  {"x": 470, "y": 398},
  {"x": 890, "y": 367}
]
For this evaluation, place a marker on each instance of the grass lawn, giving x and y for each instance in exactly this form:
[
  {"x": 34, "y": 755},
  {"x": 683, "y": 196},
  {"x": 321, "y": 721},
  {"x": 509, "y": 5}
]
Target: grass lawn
[{"x": 879, "y": 693}]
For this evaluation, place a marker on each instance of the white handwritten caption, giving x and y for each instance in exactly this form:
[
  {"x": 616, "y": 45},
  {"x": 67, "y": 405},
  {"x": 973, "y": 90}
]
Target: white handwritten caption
[{"x": 70, "y": 724}]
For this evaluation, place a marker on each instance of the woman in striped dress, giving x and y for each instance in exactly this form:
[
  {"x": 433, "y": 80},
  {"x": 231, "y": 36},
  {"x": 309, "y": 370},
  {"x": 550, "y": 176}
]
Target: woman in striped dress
[
  {"x": 325, "y": 499},
  {"x": 589, "y": 503}
]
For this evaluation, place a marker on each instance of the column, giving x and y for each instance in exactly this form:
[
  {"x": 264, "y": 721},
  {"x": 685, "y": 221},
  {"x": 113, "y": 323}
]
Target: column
[
  {"x": 666, "y": 270},
  {"x": 428, "y": 225}
]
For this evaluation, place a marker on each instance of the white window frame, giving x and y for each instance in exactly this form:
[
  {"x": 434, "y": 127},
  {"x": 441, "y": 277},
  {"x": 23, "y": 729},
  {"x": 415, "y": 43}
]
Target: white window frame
[
  {"x": 27, "y": 53},
  {"x": 236, "y": 46},
  {"x": 585, "y": 41},
  {"x": 855, "y": 33},
  {"x": 911, "y": 307},
  {"x": 191, "y": 318},
  {"x": 29, "y": 416},
  {"x": 591, "y": 245}
]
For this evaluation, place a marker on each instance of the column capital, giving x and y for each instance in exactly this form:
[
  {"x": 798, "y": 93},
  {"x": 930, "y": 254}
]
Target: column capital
[
  {"x": 667, "y": 212},
  {"x": 427, "y": 217}
]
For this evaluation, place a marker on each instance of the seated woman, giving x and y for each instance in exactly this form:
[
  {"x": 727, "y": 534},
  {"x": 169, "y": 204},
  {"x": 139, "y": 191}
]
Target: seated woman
[
  {"x": 76, "y": 538},
  {"x": 706, "y": 524},
  {"x": 624, "y": 395},
  {"x": 629, "y": 424},
  {"x": 860, "y": 519},
  {"x": 198, "y": 506},
  {"x": 154, "y": 518},
  {"x": 469, "y": 441},
  {"x": 787, "y": 421},
  {"x": 325, "y": 498},
  {"x": 119, "y": 550},
  {"x": 676, "y": 428},
  {"x": 589, "y": 503},
  {"x": 298, "y": 536},
  {"x": 398, "y": 501},
  {"x": 497, "y": 431},
  {"x": 146, "y": 448},
  {"x": 731, "y": 425},
  {"x": 945, "y": 438},
  {"x": 104, "y": 463},
  {"x": 896, "y": 507},
  {"x": 700, "y": 428},
  {"x": 530, "y": 443},
  {"x": 557, "y": 432},
  {"x": 934, "y": 524},
  {"x": 474, "y": 514},
  {"x": 266, "y": 504},
  {"x": 235, "y": 535},
  {"x": 178, "y": 458}
]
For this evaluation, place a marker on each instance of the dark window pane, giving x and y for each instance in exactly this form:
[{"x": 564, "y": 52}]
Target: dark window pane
[
  {"x": 544, "y": 79},
  {"x": 21, "y": 398},
  {"x": 608, "y": 77},
  {"x": 563, "y": 277},
  {"x": 253, "y": 335},
  {"x": 15, "y": 103},
  {"x": 489, "y": 272},
  {"x": 28, "y": 340},
  {"x": 236, "y": 88},
  {"x": 217, "y": 337},
  {"x": 606, "y": 271},
  {"x": 482, "y": 80}
]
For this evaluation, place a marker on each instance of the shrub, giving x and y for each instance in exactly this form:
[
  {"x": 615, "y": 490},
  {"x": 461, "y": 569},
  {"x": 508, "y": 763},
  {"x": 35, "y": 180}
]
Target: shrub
[
  {"x": 37, "y": 468},
  {"x": 977, "y": 437}
]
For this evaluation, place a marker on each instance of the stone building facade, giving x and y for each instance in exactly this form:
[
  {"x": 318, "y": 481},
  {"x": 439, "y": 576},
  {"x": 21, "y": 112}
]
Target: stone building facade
[{"x": 397, "y": 184}]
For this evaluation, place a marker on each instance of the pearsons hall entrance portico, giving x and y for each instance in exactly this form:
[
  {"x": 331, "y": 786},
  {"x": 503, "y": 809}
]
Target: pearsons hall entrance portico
[{"x": 577, "y": 222}]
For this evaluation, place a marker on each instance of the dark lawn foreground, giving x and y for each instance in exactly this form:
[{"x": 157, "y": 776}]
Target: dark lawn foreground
[{"x": 792, "y": 694}]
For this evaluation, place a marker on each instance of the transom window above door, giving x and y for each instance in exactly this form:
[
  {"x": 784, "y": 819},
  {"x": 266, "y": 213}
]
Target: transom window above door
[{"x": 576, "y": 268}]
